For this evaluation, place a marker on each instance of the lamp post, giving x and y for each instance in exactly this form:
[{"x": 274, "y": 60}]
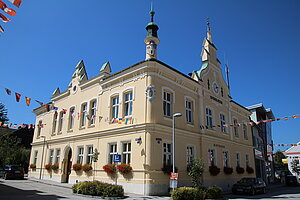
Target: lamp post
[
  {"x": 42, "y": 156},
  {"x": 173, "y": 139}
]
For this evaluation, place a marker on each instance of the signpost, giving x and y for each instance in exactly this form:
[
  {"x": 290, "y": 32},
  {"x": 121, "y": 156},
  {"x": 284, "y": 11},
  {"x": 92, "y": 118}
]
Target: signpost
[
  {"x": 173, "y": 180},
  {"x": 117, "y": 158}
]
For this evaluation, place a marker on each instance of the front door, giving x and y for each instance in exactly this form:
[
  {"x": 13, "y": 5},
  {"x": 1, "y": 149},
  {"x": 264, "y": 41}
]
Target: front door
[{"x": 69, "y": 165}]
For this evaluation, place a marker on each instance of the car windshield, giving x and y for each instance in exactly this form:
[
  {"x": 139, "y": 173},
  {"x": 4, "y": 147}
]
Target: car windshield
[{"x": 247, "y": 180}]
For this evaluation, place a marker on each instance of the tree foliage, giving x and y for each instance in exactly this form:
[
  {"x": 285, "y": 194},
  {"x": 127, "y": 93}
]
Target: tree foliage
[
  {"x": 3, "y": 113},
  {"x": 195, "y": 171},
  {"x": 278, "y": 164}
]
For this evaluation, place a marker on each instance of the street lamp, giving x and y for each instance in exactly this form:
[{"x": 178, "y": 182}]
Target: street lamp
[
  {"x": 42, "y": 156},
  {"x": 173, "y": 139}
]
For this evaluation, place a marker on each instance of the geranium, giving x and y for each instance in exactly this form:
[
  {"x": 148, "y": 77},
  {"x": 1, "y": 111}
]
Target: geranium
[
  {"x": 32, "y": 166},
  {"x": 48, "y": 166},
  {"x": 110, "y": 168},
  {"x": 77, "y": 166},
  {"x": 87, "y": 167},
  {"x": 55, "y": 166},
  {"x": 214, "y": 170},
  {"x": 124, "y": 168},
  {"x": 240, "y": 170},
  {"x": 250, "y": 170}
]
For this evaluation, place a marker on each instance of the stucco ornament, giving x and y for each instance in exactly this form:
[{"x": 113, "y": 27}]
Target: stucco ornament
[{"x": 150, "y": 92}]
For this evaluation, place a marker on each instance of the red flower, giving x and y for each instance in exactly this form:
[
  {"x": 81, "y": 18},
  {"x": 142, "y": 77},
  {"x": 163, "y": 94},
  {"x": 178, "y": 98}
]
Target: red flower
[{"x": 110, "y": 168}]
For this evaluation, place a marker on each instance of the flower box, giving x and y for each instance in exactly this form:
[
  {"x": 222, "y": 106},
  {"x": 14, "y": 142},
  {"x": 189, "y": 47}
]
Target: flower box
[
  {"x": 87, "y": 167},
  {"x": 214, "y": 170},
  {"x": 48, "y": 166},
  {"x": 250, "y": 170},
  {"x": 124, "y": 168},
  {"x": 228, "y": 170},
  {"x": 77, "y": 166},
  {"x": 55, "y": 166},
  {"x": 240, "y": 170},
  {"x": 110, "y": 168}
]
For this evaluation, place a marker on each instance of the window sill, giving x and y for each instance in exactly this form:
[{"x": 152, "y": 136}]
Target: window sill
[
  {"x": 190, "y": 124},
  {"x": 59, "y": 133},
  {"x": 81, "y": 128},
  {"x": 91, "y": 126},
  {"x": 168, "y": 118},
  {"x": 70, "y": 131}
]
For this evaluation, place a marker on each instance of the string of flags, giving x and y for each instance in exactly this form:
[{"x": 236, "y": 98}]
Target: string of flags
[
  {"x": 13, "y": 125},
  {"x": 8, "y": 11},
  {"x": 283, "y": 145}
]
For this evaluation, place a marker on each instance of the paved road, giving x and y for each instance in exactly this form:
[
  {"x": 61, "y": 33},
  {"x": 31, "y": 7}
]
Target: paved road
[{"x": 47, "y": 190}]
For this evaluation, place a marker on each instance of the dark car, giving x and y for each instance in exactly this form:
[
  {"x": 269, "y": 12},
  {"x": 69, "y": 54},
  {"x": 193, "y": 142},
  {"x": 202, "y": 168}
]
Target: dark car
[
  {"x": 250, "y": 186},
  {"x": 12, "y": 172},
  {"x": 292, "y": 180}
]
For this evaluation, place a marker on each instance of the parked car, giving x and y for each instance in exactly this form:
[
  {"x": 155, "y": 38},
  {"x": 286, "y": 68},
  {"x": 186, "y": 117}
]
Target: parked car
[
  {"x": 250, "y": 186},
  {"x": 292, "y": 180},
  {"x": 12, "y": 172}
]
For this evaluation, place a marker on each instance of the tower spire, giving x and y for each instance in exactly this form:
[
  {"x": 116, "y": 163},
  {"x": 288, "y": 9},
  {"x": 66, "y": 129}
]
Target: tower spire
[
  {"x": 208, "y": 30},
  {"x": 151, "y": 39}
]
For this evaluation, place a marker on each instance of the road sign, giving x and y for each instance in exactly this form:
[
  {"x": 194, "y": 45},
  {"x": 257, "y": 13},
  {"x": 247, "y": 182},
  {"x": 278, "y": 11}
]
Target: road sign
[
  {"x": 117, "y": 158},
  {"x": 173, "y": 184},
  {"x": 174, "y": 176}
]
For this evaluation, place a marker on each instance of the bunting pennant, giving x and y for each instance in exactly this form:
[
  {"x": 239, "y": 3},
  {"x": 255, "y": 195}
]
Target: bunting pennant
[
  {"x": 16, "y": 2},
  {"x": 41, "y": 103},
  {"x": 9, "y": 11},
  {"x": 18, "y": 96},
  {"x": 64, "y": 111},
  {"x": 8, "y": 91},
  {"x": 100, "y": 118},
  {"x": 1, "y": 29},
  {"x": 3, "y": 18},
  {"x": 28, "y": 101}
]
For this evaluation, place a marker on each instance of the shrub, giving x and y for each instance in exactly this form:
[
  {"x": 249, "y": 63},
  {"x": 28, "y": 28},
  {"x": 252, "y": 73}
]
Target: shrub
[
  {"x": 195, "y": 171},
  {"x": 240, "y": 170},
  {"x": 110, "y": 168},
  {"x": 214, "y": 170},
  {"x": 250, "y": 170},
  {"x": 228, "y": 170},
  {"x": 48, "y": 166},
  {"x": 124, "y": 168},
  {"x": 213, "y": 192},
  {"x": 55, "y": 166},
  {"x": 167, "y": 169},
  {"x": 77, "y": 167},
  {"x": 87, "y": 167},
  {"x": 32, "y": 166},
  {"x": 185, "y": 193},
  {"x": 97, "y": 188}
]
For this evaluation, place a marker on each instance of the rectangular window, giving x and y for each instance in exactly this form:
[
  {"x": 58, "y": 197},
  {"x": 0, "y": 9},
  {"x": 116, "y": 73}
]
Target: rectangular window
[
  {"x": 126, "y": 154},
  {"x": 238, "y": 159},
  {"x": 115, "y": 107},
  {"x": 112, "y": 152},
  {"x": 89, "y": 157},
  {"x": 80, "y": 155},
  {"x": 167, "y": 154},
  {"x": 57, "y": 158},
  {"x": 209, "y": 119},
  {"x": 39, "y": 129},
  {"x": 83, "y": 114},
  {"x": 93, "y": 106},
  {"x": 54, "y": 122},
  {"x": 226, "y": 158},
  {"x": 247, "y": 160},
  {"x": 245, "y": 132},
  {"x": 235, "y": 128},
  {"x": 71, "y": 118},
  {"x": 190, "y": 154},
  {"x": 212, "y": 157},
  {"x": 61, "y": 120},
  {"x": 128, "y": 104},
  {"x": 167, "y": 103},
  {"x": 35, "y": 157},
  {"x": 51, "y": 153},
  {"x": 189, "y": 111},
  {"x": 223, "y": 122}
]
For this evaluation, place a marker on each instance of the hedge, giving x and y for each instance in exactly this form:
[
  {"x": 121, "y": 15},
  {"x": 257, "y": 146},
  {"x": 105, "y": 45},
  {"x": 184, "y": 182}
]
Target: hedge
[
  {"x": 97, "y": 188},
  {"x": 190, "y": 193}
]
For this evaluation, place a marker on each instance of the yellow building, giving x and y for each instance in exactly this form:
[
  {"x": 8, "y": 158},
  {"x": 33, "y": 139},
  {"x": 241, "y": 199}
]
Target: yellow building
[{"x": 131, "y": 113}]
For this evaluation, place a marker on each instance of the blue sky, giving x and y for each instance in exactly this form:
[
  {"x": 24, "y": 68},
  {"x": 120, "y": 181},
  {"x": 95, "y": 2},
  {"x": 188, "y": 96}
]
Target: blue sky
[{"x": 260, "y": 40}]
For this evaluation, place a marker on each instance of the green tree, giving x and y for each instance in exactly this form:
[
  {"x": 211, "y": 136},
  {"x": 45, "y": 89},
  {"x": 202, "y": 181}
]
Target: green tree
[
  {"x": 3, "y": 113},
  {"x": 278, "y": 164},
  {"x": 195, "y": 171}
]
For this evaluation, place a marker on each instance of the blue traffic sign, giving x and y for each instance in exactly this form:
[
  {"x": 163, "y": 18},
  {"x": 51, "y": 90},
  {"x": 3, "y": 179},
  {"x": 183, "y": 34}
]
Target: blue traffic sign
[{"x": 117, "y": 158}]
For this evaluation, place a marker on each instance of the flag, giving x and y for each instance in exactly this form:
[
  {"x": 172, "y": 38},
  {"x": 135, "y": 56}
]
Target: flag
[
  {"x": 6, "y": 9},
  {"x": 16, "y": 2},
  {"x": 0, "y": 123},
  {"x": 28, "y": 101},
  {"x": 47, "y": 107},
  {"x": 8, "y": 91},
  {"x": 18, "y": 96},
  {"x": 41, "y": 103},
  {"x": 1, "y": 29},
  {"x": 294, "y": 116},
  {"x": 64, "y": 111},
  {"x": 4, "y": 19}
]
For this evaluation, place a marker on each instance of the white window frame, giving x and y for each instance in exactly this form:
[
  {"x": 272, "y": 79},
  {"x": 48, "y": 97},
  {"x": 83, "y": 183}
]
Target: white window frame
[
  {"x": 57, "y": 157},
  {"x": 55, "y": 116},
  {"x": 93, "y": 111},
  {"x": 223, "y": 122},
  {"x": 89, "y": 155},
  {"x": 128, "y": 103},
  {"x": 167, "y": 154},
  {"x": 226, "y": 158},
  {"x": 61, "y": 121},
  {"x": 80, "y": 154},
  {"x": 167, "y": 103},
  {"x": 83, "y": 111},
  {"x": 190, "y": 154},
  {"x": 212, "y": 157},
  {"x": 126, "y": 152},
  {"x": 238, "y": 159},
  {"x": 51, "y": 155},
  {"x": 235, "y": 127},
  {"x": 112, "y": 150},
  {"x": 115, "y": 106},
  {"x": 209, "y": 117},
  {"x": 189, "y": 108},
  {"x": 71, "y": 118},
  {"x": 245, "y": 132}
]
